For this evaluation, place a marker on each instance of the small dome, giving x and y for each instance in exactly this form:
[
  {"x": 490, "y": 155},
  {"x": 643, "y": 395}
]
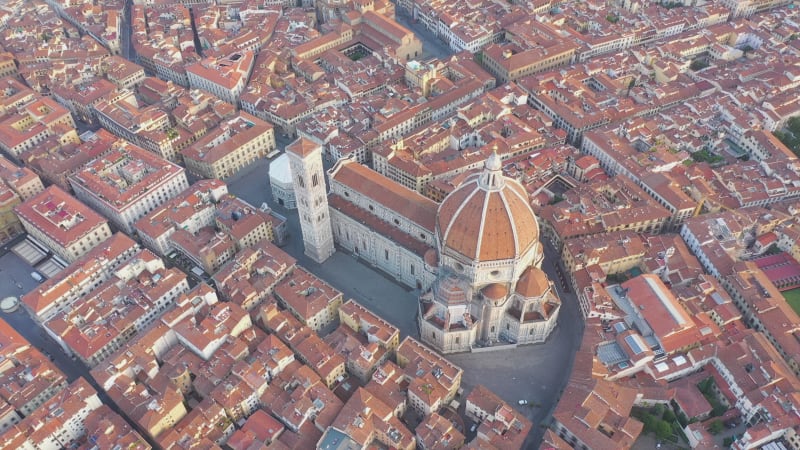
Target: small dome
[
  {"x": 533, "y": 283},
  {"x": 450, "y": 292},
  {"x": 495, "y": 291},
  {"x": 487, "y": 217}
]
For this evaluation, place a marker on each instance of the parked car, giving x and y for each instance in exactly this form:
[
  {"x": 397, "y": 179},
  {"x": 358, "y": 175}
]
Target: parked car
[
  {"x": 35, "y": 275},
  {"x": 523, "y": 402}
]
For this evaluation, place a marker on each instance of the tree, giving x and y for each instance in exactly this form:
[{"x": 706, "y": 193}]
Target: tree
[
  {"x": 649, "y": 422},
  {"x": 716, "y": 427},
  {"x": 682, "y": 419},
  {"x": 658, "y": 410},
  {"x": 698, "y": 64},
  {"x": 663, "y": 429},
  {"x": 794, "y": 124},
  {"x": 669, "y": 416},
  {"x": 719, "y": 409}
]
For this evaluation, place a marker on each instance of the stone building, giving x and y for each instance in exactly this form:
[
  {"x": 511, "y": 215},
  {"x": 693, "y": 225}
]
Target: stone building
[{"x": 476, "y": 257}]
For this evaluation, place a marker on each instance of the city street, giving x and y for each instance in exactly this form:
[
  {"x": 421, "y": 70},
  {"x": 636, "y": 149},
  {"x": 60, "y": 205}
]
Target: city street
[
  {"x": 125, "y": 33},
  {"x": 13, "y": 270},
  {"x": 356, "y": 280},
  {"x": 536, "y": 373}
]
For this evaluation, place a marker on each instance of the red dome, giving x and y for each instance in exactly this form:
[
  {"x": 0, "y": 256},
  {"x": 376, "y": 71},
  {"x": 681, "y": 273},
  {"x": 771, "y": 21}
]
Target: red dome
[{"x": 487, "y": 217}]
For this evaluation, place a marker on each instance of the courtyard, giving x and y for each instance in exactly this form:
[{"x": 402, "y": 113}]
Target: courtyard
[{"x": 793, "y": 299}]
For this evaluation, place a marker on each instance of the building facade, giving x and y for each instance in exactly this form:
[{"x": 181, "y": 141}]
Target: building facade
[
  {"x": 280, "y": 181},
  {"x": 305, "y": 160},
  {"x": 476, "y": 257},
  {"x": 128, "y": 183},
  {"x": 67, "y": 226},
  {"x": 490, "y": 288},
  {"x": 237, "y": 143}
]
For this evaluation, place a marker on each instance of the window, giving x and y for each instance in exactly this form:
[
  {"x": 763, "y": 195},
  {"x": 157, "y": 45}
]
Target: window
[
  {"x": 386, "y": 254},
  {"x": 300, "y": 181},
  {"x": 314, "y": 180},
  {"x": 412, "y": 269}
]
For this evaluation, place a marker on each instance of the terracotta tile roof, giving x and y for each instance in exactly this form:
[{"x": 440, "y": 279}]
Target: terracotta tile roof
[
  {"x": 60, "y": 216},
  {"x": 93, "y": 265},
  {"x": 302, "y": 147},
  {"x": 417, "y": 208},
  {"x": 503, "y": 427},
  {"x": 487, "y": 224}
]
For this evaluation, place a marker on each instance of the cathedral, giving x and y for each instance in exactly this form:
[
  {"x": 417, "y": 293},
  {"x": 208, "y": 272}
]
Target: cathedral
[
  {"x": 475, "y": 258},
  {"x": 489, "y": 286}
]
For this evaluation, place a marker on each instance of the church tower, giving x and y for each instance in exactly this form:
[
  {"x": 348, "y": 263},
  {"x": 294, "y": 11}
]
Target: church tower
[{"x": 308, "y": 178}]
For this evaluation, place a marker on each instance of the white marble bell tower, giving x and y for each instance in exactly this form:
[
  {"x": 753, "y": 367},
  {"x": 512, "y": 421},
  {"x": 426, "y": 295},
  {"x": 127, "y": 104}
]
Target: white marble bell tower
[{"x": 308, "y": 178}]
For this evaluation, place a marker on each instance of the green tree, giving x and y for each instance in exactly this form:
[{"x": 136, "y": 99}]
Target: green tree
[
  {"x": 716, "y": 427},
  {"x": 697, "y": 64},
  {"x": 658, "y": 410},
  {"x": 794, "y": 124},
  {"x": 663, "y": 429},
  {"x": 649, "y": 421},
  {"x": 669, "y": 416},
  {"x": 719, "y": 409}
]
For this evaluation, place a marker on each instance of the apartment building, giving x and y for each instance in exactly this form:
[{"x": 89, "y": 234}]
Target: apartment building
[
  {"x": 235, "y": 144},
  {"x": 191, "y": 210},
  {"x": 314, "y": 302},
  {"x": 127, "y": 183},
  {"x": 64, "y": 224},
  {"x": 79, "y": 278},
  {"x": 224, "y": 77}
]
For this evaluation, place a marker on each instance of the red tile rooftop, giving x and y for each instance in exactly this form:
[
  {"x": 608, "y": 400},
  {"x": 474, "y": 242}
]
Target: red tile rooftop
[
  {"x": 124, "y": 175},
  {"x": 305, "y": 293},
  {"x": 60, "y": 216},
  {"x": 76, "y": 274},
  {"x": 302, "y": 147},
  {"x": 228, "y": 137},
  {"x": 419, "y": 209}
]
